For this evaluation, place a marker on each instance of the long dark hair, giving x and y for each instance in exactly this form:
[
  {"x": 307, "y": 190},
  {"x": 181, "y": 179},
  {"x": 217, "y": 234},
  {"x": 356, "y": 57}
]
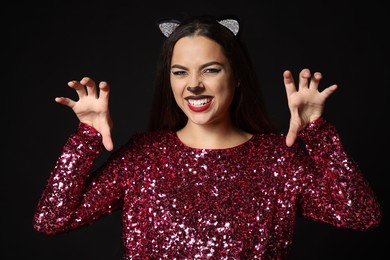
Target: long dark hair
[{"x": 247, "y": 110}]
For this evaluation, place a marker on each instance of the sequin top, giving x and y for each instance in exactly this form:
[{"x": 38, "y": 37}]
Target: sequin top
[{"x": 180, "y": 202}]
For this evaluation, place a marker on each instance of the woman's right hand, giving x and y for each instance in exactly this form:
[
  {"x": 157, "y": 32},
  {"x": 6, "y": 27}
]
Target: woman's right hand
[{"x": 92, "y": 107}]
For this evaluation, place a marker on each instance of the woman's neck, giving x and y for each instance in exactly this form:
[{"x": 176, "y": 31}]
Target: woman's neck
[{"x": 212, "y": 136}]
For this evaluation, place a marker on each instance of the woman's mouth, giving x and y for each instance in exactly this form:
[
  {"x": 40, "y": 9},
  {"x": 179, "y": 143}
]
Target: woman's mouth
[{"x": 199, "y": 105}]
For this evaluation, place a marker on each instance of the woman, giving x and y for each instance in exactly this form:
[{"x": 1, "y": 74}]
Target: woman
[{"x": 211, "y": 179}]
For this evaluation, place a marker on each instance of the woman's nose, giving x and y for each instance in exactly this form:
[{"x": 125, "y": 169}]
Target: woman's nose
[{"x": 195, "y": 90}]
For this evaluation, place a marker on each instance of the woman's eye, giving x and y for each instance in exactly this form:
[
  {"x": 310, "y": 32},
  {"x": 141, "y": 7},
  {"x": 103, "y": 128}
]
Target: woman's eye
[
  {"x": 178, "y": 73},
  {"x": 212, "y": 70}
]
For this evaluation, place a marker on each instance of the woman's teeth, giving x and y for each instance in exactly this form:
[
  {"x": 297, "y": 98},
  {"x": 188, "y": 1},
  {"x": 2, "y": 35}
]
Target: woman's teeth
[{"x": 199, "y": 102}]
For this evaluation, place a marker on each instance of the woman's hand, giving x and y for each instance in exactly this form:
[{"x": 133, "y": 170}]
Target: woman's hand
[
  {"x": 92, "y": 107},
  {"x": 306, "y": 103}
]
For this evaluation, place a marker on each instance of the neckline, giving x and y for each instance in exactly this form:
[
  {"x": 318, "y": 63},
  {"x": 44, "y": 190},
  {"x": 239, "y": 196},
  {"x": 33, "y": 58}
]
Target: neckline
[{"x": 239, "y": 146}]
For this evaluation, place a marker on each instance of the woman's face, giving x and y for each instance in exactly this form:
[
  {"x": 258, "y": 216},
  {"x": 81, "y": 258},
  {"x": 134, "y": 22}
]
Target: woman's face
[{"x": 201, "y": 80}]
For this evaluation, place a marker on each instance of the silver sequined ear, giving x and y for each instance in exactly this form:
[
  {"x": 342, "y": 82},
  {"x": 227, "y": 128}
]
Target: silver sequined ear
[
  {"x": 167, "y": 27},
  {"x": 231, "y": 24}
]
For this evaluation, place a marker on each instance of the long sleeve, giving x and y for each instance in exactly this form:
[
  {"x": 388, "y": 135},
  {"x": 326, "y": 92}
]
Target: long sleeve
[
  {"x": 70, "y": 199},
  {"x": 337, "y": 193}
]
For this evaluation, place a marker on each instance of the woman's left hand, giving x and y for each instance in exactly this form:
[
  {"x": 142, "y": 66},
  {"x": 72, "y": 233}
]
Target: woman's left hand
[{"x": 306, "y": 103}]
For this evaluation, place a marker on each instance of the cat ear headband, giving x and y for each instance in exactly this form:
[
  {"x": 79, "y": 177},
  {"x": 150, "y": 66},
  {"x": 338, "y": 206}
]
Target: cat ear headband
[{"x": 168, "y": 26}]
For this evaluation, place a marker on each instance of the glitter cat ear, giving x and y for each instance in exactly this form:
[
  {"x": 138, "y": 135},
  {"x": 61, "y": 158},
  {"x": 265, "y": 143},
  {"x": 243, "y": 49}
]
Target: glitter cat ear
[
  {"x": 231, "y": 24},
  {"x": 168, "y": 26}
]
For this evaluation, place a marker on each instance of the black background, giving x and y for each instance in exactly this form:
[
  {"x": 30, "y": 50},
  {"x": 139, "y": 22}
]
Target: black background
[{"x": 45, "y": 45}]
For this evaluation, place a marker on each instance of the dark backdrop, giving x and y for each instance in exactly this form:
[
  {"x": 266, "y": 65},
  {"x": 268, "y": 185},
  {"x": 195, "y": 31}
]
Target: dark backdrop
[{"x": 46, "y": 45}]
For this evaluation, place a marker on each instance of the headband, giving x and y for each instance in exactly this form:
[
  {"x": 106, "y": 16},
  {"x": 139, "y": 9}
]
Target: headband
[{"x": 168, "y": 26}]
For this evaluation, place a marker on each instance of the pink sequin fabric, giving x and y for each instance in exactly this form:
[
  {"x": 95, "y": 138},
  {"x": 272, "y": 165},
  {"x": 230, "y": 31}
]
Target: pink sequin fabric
[{"x": 184, "y": 203}]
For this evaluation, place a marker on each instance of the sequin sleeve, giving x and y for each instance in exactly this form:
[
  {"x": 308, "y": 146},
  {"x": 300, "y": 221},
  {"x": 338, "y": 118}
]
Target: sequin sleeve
[
  {"x": 337, "y": 192},
  {"x": 69, "y": 199}
]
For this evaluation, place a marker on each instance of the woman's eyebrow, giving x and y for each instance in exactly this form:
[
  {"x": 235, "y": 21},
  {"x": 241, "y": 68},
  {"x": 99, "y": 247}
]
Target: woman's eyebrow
[{"x": 177, "y": 66}]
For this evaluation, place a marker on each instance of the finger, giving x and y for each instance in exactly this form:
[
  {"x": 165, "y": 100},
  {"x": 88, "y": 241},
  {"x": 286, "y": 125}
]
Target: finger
[
  {"x": 304, "y": 77},
  {"x": 65, "y": 101},
  {"x": 291, "y": 137},
  {"x": 107, "y": 142},
  {"x": 315, "y": 80},
  {"x": 104, "y": 90},
  {"x": 90, "y": 86},
  {"x": 329, "y": 90},
  {"x": 80, "y": 88},
  {"x": 293, "y": 130},
  {"x": 289, "y": 82}
]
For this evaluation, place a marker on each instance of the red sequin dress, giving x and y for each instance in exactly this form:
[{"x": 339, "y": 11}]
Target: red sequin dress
[{"x": 180, "y": 202}]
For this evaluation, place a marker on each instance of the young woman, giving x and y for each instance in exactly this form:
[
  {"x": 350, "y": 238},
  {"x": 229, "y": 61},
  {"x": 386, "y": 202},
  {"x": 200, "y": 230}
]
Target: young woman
[{"x": 211, "y": 179}]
